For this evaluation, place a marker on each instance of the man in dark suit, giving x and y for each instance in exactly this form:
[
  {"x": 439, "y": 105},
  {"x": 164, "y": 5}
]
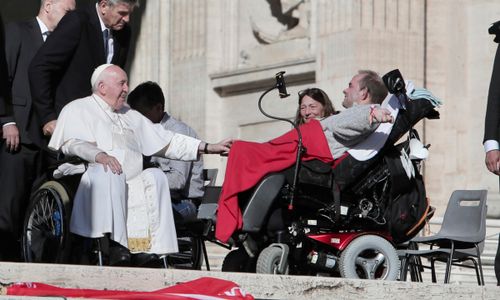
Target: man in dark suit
[
  {"x": 492, "y": 126},
  {"x": 86, "y": 38},
  {"x": 4, "y": 94},
  {"x": 19, "y": 157}
]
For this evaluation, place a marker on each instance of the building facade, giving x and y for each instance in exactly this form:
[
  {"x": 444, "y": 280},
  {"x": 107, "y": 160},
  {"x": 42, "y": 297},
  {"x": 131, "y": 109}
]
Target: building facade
[{"x": 215, "y": 57}]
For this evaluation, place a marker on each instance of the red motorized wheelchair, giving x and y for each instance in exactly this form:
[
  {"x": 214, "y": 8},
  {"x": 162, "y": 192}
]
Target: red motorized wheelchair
[{"x": 348, "y": 221}]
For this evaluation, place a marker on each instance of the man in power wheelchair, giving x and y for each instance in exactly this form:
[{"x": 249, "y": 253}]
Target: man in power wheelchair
[
  {"x": 330, "y": 220},
  {"x": 112, "y": 138}
]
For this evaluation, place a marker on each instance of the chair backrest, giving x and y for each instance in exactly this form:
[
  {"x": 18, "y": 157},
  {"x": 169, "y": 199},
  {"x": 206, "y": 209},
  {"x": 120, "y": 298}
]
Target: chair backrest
[
  {"x": 210, "y": 175},
  {"x": 465, "y": 216},
  {"x": 208, "y": 206}
]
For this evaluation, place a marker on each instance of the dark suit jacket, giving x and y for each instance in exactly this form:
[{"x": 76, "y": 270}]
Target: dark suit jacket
[
  {"x": 22, "y": 39},
  {"x": 4, "y": 90},
  {"x": 60, "y": 71},
  {"x": 492, "y": 121}
]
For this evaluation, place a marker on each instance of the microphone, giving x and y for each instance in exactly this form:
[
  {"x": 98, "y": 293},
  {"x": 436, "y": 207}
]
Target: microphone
[{"x": 280, "y": 84}]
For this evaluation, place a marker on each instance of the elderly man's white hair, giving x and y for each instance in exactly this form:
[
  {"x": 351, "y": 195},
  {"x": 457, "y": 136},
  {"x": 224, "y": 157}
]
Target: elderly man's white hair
[
  {"x": 96, "y": 76},
  {"x": 132, "y": 3}
]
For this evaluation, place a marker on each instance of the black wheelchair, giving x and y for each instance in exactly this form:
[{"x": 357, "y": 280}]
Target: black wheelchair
[{"x": 46, "y": 237}]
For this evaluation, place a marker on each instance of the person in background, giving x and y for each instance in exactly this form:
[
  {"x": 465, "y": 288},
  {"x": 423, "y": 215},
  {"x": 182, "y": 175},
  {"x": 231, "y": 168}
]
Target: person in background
[
  {"x": 61, "y": 69},
  {"x": 20, "y": 162},
  {"x": 314, "y": 103},
  {"x": 4, "y": 95},
  {"x": 492, "y": 126},
  {"x": 184, "y": 177}
]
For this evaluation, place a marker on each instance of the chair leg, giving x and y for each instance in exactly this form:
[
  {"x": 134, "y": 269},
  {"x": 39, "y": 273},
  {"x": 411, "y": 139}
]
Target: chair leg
[
  {"x": 433, "y": 270},
  {"x": 404, "y": 268},
  {"x": 448, "y": 264},
  {"x": 99, "y": 252},
  {"x": 480, "y": 265},
  {"x": 476, "y": 268},
  {"x": 416, "y": 269},
  {"x": 205, "y": 254},
  {"x": 163, "y": 259}
]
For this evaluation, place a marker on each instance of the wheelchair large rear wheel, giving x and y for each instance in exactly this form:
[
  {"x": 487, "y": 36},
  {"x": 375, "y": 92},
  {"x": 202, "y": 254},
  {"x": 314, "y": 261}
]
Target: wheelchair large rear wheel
[{"x": 45, "y": 226}]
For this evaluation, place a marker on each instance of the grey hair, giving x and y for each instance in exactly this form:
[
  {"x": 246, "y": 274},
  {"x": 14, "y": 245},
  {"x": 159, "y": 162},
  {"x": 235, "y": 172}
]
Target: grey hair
[{"x": 132, "y": 3}]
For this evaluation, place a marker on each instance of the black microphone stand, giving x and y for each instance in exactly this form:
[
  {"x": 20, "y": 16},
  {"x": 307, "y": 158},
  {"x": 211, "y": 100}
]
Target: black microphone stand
[{"x": 300, "y": 148}]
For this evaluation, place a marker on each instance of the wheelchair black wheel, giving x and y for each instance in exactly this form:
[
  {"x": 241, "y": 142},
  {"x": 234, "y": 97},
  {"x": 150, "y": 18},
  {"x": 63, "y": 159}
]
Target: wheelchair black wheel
[
  {"x": 45, "y": 226},
  {"x": 190, "y": 255},
  {"x": 238, "y": 260},
  {"x": 269, "y": 260}
]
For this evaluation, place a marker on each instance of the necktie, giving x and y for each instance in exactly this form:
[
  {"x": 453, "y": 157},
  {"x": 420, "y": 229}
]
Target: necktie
[
  {"x": 105, "y": 34},
  {"x": 46, "y": 35}
]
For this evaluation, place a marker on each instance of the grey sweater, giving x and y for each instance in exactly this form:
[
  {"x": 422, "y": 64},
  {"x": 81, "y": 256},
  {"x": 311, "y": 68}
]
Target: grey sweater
[
  {"x": 348, "y": 128},
  {"x": 184, "y": 177}
]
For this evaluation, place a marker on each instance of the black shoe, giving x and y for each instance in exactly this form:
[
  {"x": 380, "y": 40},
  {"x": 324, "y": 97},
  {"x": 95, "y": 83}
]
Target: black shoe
[
  {"x": 146, "y": 260},
  {"x": 118, "y": 255}
]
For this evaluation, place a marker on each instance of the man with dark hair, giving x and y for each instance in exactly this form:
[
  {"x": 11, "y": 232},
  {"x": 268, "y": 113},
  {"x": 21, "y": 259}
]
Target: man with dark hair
[
  {"x": 60, "y": 71},
  {"x": 184, "y": 177},
  {"x": 20, "y": 162}
]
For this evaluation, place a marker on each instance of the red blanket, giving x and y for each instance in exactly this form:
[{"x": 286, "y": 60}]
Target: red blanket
[
  {"x": 202, "y": 288},
  {"x": 249, "y": 162}
]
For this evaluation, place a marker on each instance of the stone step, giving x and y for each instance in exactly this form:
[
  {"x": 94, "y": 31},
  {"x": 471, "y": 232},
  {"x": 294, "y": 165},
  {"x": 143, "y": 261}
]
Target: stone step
[{"x": 261, "y": 286}]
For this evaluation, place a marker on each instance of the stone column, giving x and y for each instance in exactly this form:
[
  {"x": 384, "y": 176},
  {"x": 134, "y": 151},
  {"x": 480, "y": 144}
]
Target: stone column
[
  {"x": 188, "y": 77},
  {"x": 171, "y": 50},
  {"x": 152, "y": 52}
]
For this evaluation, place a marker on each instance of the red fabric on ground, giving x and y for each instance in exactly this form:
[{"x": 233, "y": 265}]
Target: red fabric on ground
[
  {"x": 249, "y": 162},
  {"x": 202, "y": 288}
]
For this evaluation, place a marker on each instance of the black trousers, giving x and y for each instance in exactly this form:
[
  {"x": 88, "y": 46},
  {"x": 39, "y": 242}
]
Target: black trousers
[
  {"x": 497, "y": 257},
  {"x": 497, "y": 263},
  {"x": 18, "y": 172}
]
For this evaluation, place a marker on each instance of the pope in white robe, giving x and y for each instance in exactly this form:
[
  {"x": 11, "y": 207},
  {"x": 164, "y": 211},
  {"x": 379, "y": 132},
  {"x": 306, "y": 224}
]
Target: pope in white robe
[{"x": 102, "y": 130}]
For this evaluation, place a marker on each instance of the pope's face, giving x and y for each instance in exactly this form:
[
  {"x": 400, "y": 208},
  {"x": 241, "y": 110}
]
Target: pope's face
[{"x": 115, "y": 87}]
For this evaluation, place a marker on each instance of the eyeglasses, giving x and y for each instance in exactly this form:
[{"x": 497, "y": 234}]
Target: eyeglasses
[
  {"x": 303, "y": 92},
  {"x": 312, "y": 92}
]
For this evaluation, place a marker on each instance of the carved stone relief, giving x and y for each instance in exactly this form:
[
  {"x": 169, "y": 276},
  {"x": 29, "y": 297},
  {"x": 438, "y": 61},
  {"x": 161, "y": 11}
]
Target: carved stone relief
[
  {"x": 292, "y": 14},
  {"x": 273, "y": 31}
]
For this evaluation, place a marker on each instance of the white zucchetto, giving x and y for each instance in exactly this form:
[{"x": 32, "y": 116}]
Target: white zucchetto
[{"x": 97, "y": 73}]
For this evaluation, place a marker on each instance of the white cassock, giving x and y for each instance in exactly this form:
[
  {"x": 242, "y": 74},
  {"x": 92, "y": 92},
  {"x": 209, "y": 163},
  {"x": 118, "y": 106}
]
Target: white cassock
[{"x": 88, "y": 126}]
